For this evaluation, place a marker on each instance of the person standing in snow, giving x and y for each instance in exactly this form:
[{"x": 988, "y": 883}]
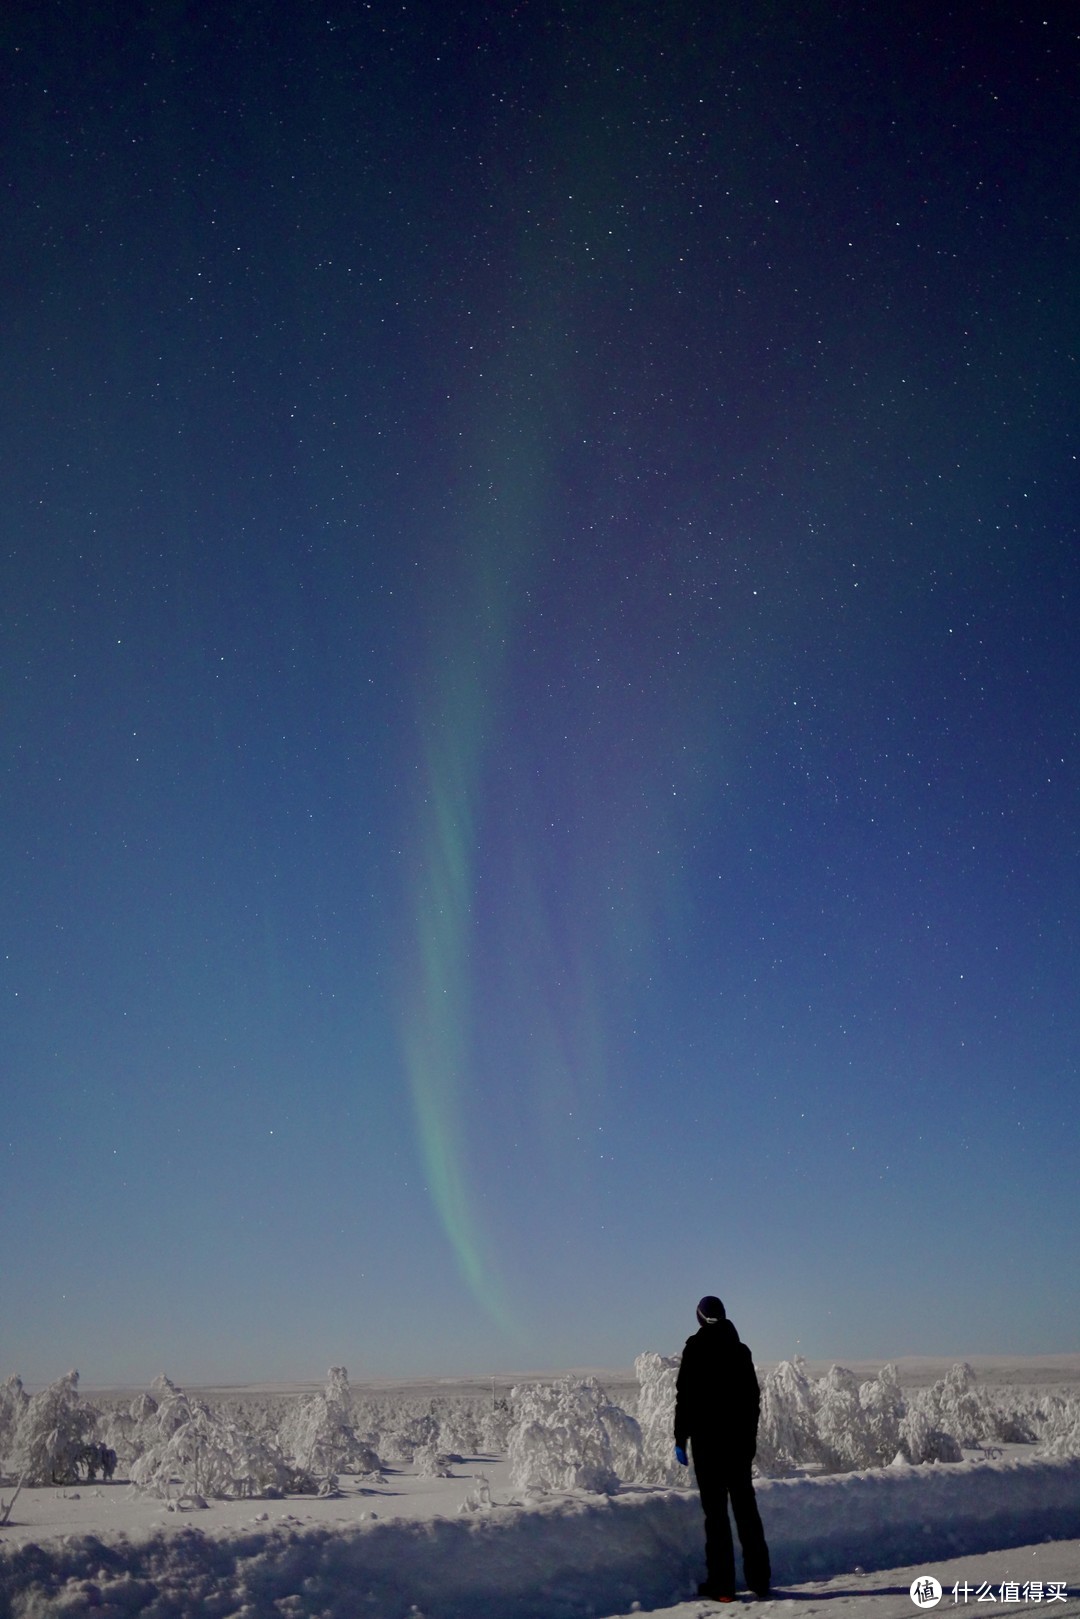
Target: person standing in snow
[{"x": 717, "y": 1404}]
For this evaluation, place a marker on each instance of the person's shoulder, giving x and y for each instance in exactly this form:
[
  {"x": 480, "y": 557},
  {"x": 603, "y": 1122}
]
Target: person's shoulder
[
  {"x": 691, "y": 1348},
  {"x": 732, "y": 1340},
  {"x": 746, "y": 1363}
]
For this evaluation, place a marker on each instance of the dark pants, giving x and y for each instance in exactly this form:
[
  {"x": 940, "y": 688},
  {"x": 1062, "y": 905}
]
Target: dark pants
[{"x": 722, "y": 1477}]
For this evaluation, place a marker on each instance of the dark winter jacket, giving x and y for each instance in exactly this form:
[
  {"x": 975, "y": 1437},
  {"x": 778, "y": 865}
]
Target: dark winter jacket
[{"x": 717, "y": 1399}]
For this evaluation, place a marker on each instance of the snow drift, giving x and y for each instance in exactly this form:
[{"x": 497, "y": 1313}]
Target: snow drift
[{"x": 560, "y": 1560}]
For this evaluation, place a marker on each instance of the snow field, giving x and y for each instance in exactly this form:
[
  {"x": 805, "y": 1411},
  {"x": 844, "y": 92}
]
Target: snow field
[
  {"x": 566, "y": 1434},
  {"x": 592, "y": 1526},
  {"x": 565, "y": 1558}
]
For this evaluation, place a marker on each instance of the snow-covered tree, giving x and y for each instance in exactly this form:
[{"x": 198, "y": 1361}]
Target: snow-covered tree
[
  {"x": 656, "y": 1375},
  {"x": 461, "y": 1425},
  {"x": 843, "y": 1431},
  {"x": 52, "y": 1432},
  {"x": 922, "y": 1441},
  {"x": 319, "y": 1436},
  {"x": 495, "y": 1424},
  {"x": 567, "y": 1435},
  {"x": 191, "y": 1451},
  {"x": 883, "y": 1407},
  {"x": 624, "y": 1434},
  {"x": 13, "y": 1402},
  {"x": 431, "y": 1462},
  {"x": 951, "y": 1413},
  {"x": 1015, "y": 1419},
  {"x": 1061, "y": 1426},
  {"x": 411, "y": 1431},
  {"x": 960, "y": 1408},
  {"x": 787, "y": 1430},
  {"x": 117, "y": 1429}
]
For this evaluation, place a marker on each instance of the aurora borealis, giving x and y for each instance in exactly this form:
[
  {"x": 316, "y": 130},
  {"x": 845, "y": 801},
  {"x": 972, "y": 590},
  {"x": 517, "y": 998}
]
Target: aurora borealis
[{"x": 539, "y": 590}]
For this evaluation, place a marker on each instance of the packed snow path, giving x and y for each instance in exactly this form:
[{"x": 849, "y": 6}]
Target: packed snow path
[
  {"x": 563, "y": 1559},
  {"x": 886, "y": 1593}
]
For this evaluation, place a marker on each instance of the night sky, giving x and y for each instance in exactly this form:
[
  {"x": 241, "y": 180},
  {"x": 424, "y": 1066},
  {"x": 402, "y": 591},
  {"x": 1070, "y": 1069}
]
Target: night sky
[{"x": 539, "y": 586}]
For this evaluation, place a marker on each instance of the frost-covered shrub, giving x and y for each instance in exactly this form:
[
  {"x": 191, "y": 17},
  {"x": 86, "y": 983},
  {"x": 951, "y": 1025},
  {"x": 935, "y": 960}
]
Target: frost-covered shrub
[
  {"x": 921, "y": 1441},
  {"x": 843, "y": 1432},
  {"x": 883, "y": 1407},
  {"x": 858, "y": 1424},
  {"x": 833, "y": 1423},
  {"x": 460, "y": 1425},
  {"x": 1013, "y": 1427},
  {"x": 13, "y": 1402},
  {"x": 955, "y": 1406},
  {"x": 166, "y": 1409},
  {"x": 962, "y": 1408},
  {"x": 394, "y": 1426},
  {"x": 478, "y": 1498},
  {"x": 567, "y": 1435},
  {"x": 319, "y": 1436},
  {"x": 495, "y": 1425},
  {"x": 1061, "y": 1427},
  {"x": 53, "y": 1431},
  {"x": 624, "y": 1433},
  {"x": 194, "y": 1452},
  {"x": 409, "y": 1428},
  {"x": 142, "y": 1407},
  {"x": 656, "y": 1375},
  {"x": 145, "y": 1431},
  {"x": 787, "y": 1429},
  {"x": 430, "y": 1462},
  {"x": 952, "y": 1413},
  {"x": 117, "y": 1429}
]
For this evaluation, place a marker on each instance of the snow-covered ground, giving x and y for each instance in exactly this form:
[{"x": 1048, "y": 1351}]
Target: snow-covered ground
[
  {"x": 1000, "y": 1529},
  {"x": 886, "y": 1593},
  {"x": 404, "y": 1548}
]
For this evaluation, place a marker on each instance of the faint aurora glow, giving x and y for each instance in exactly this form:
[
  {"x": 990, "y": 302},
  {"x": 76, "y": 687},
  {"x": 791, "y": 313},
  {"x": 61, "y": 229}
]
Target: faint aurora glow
[
  {"x": 549, "y": 830},
  {"x": 459, "y": 721},
  {"x": 437, "y": 1045}
]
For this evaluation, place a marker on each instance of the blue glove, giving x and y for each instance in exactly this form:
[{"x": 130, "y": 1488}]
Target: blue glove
[{"x": 680, "y": 1456}]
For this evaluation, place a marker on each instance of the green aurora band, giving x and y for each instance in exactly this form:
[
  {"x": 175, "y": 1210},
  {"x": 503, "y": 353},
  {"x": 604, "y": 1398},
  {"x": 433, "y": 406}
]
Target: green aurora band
[
  {"x": 459, "y": 730},
  {"x": 517, "y": 418}
]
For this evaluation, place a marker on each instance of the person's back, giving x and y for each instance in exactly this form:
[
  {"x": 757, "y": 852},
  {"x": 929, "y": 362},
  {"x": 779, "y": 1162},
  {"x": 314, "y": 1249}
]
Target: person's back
[
  {"x": 717, "y": 1404},
  {"x": 717, "y": 1394}
]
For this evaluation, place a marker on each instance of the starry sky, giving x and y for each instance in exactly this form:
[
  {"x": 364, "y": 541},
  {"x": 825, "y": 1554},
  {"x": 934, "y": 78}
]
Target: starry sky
[{"x": 539, "y": 587}]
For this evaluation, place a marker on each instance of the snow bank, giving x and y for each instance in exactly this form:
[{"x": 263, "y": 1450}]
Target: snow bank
[
  {"x": 560, "y": 1560},
  {"x": 819, "y": 1527}
]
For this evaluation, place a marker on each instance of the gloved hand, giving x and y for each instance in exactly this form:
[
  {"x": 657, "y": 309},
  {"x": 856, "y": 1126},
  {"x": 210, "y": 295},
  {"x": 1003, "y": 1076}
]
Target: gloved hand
[{"x": 680, "y": 1456}]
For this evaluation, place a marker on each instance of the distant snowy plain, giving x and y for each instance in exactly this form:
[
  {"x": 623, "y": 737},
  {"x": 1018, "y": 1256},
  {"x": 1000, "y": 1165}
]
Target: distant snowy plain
[{"x": 1004, "y": 1532}]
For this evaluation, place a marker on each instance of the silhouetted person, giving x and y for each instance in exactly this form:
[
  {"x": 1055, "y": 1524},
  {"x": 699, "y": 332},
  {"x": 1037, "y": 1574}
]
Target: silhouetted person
[{"x": 717, "y": 1403}]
